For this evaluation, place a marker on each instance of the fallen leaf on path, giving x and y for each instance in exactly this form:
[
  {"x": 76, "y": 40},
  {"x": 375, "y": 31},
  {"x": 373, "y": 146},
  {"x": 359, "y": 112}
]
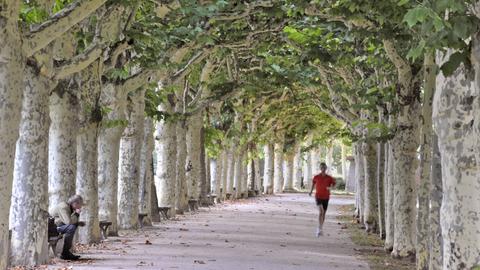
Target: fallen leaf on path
[
  {"x": 282, "y": 245},
  {"x": 199, "y": 262},
  {"x": 147, "y": 242},
  {"x": 183, "y": 229}
]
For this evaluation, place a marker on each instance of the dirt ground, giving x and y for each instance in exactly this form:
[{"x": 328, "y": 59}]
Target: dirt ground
[{"x": 275, "y": 232}]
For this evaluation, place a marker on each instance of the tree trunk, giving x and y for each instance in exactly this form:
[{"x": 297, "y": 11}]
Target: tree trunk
[
  {"x": 166, "y": 153},
  {"x": 370, "y": 211},
  {"x": 344, "y": 164},
  {"x": 181, "y": 203},
  {"x": 146, "y": 172},
  {"x": 11, "y": 91},
  {"x": 30, "y": 185},
  {"x": 108, "y": 154},
  {"x": 435, "y": 246},
  {"x": 308, "y": 171},
  {"x": 268, "y": 151},
  {"x": 206, "y": 188},
  {"x": 389, "y": 210},
  {"x": 244, "y": 179},
  {"x": 350, "y": 180},
  {"x": 297, "y": 169},
  {"x": 217, "y": 176},
  {"x": 62, "y": 146},
  {"x": 278, "y": 168},
  {"x": 423, "y": 198},
  {"x": 87, "y": 154},
  {"x": 329, "y": 159},
  {"x": 455, "y": 108},
  {"x": 316, "y": 158},
  {"x": 258, "y": 186},
  {"x": 405, "y": 144},
  {"x": 224, "y": 173},
  {"x": 238, "y": 174},
  {"x": 230, "y": 171},
  {"x": 154, "y": 200},
  {"x": 289, "y": 173},
  {"x": 129, "y": 163},
  {"x": 194, "y": 152},
  {"x": 380, "y": 188},
  {"x": 360, "y": 180}
]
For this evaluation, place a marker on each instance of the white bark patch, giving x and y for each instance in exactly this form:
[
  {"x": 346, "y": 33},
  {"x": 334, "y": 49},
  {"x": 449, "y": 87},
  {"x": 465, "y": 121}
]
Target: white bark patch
[
  {"x": 166, "y": 150},
  {"x": 11, "y": 91},
  {"x": 30, "y": 190},
  {"x": 405, "y": 144},
  {"x": 371, "y": 198},
  {"x": 268, "y": 169},
  {"x": 181, "y": 203},
  {"x": 389, "y": 210},
  {"x": 278, "y": 168},
  {"x": 289, "y": 172},
  {"x": 307, "y": 170},
  {"x": 146, "y": 172},
  {"x": 297, "y": 170},
  {"x": 454, "y": 111},
  {"x": 87, "y": 155},
  {"x": 108, "y": 155},
  {"x": 360, "y": 180},
  {"x": 230, "y": 170},
  {"x": 194, "y": 150},
  {"x": 129, "y": 163},
  {"x": 62, "y": 148}
]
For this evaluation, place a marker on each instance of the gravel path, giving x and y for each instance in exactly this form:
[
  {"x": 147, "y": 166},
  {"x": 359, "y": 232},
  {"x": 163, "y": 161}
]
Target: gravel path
[{"x": 276, "y": 232}]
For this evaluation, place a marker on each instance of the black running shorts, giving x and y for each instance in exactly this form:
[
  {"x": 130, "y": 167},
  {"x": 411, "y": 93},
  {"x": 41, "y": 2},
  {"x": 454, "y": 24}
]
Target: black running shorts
[{"x": 323, "y": 202}]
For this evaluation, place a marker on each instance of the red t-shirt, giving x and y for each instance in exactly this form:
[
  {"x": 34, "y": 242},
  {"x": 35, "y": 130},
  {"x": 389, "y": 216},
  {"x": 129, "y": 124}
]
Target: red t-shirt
[{"x": 321, "y": 183}]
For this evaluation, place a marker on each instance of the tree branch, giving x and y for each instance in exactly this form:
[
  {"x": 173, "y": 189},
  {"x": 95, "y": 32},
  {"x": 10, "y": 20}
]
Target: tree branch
[
  {"x": 40, "y": 36},
  {"x": 403, "y": 68},
  {"x": 79, "y": 62},
  {"x": 248, "y": 11}
]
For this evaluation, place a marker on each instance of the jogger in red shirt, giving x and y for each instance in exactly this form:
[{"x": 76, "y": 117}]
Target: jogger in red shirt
[{"x": 322, "y": 183}]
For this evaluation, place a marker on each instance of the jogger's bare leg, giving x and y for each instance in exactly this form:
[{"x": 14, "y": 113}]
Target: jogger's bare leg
[{"x": 321, "y": 216}]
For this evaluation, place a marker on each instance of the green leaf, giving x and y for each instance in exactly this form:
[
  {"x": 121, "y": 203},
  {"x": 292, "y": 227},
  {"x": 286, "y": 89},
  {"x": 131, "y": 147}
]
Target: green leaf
[
  {"x": 402, "y": 2},
  {"x": 454, "y": 62},
  {"x": 416, "y": 52},
  {"x": 416, "y": 15}
]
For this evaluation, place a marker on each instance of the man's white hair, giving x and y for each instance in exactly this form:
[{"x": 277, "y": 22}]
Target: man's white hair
[{"x": 75, "y": 199}]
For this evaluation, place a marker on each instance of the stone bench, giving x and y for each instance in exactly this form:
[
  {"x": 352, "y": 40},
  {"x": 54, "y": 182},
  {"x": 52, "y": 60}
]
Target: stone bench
[
  {"x": 252, "y": 193},
  {"x": 163, "y": 211},
  {"x": 104, "y": 227},
  {"x": 193, "y": 205},
  {"x": 141, "y": 216}
]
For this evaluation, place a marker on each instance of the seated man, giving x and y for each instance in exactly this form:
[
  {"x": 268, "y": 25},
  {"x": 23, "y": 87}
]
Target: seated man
[{"x": 66, "y": 218}]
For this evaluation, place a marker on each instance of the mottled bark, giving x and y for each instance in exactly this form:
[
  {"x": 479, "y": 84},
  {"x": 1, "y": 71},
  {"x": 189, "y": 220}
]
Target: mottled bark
[
  {"x": 146, "y": 172},
  {"x": 194, "y": 152},
  {"x": 87, "y": 154},
  {"x": 230, "y": 170},
  {"x": 297, "y": 169},
  {"x": 181, "y": 203},
  {"x": 166, "y": 150},
  {"x": 289, "y": 172},
  {"x": 370, "y": 211},
  {"x": 108, "y": 153},
  {"x": 268, "y": 151},
  {"x": 129, "y": 162},
  {"x": 278, "y": 168},
  {"x": 237, "y": 174},
  {"x": 423, "y": 198},
  {"x": 11, "y": 90},
  {"x": 435, "y": 242},
  {"x": 224, "y": 174},
  {"x": 62, "y": 146},
  {"x": 360, "y": 180},
  {"x": 380, "y": 188},
  {"x": 216, "y": 172},
  {"x": 389, "y": 210},
  {"x": 455, "y": 109},
  {"x": 350, "y": 180},
  {"x": 30, "y": 181},
  {"x": 307, "y": 170},
  {"x": 405, "y": 145},
  {"x": 329, "y": 159},
  {"x": 154, "y": 201}
]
